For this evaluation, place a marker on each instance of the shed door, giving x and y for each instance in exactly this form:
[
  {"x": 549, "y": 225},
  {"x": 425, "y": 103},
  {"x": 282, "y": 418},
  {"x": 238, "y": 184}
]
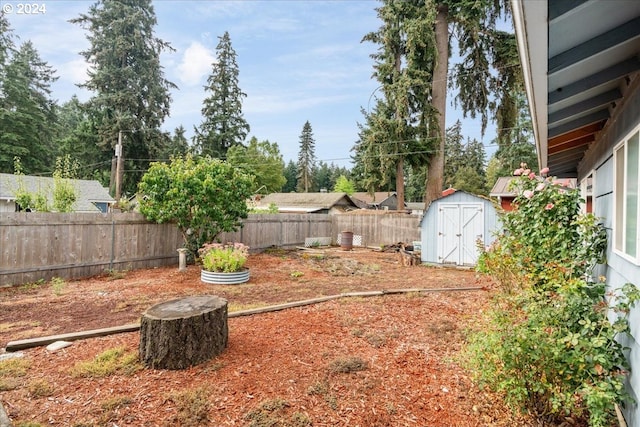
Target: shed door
[{"x": 459, "y": 227}]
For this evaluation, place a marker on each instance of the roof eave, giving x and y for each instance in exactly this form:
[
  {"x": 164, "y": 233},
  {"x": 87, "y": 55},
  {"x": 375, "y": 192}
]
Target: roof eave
[{"x": 531, "y": 23}]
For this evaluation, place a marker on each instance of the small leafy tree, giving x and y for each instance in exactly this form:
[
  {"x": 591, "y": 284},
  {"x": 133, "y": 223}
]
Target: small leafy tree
[
  {"x": 203, "y": 196},
  {"x": 343, "y": 185},
  {"x": 64, "y": 192}
]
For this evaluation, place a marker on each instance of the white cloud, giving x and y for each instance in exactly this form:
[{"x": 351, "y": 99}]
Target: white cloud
[
  {"x": 74, "y": 71},
  {"x": 196, "y": 63}
]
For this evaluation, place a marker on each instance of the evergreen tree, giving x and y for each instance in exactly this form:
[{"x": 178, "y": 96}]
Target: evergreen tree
[
  {"x": 516, "y": 145},
  {"x": 78, "y": 139},
  {"x": 404, "y": 68},
  {"x": 416, "y": 177},
  {"x": 486, "y": 76},
  {"x": 454, "y": 153},
  {"x": 306, "y": 159},
  {"x": 224, "y": 125},
  {"x": 373, "y": 171},
  {"x": 27, "y": 113},
  {"x": 464, "y": 163},
  {"x": 323, "y": 177},
  {"x": 132, "y": 96},
  {"x": 177, "y": 144},
  {"x": 291, "y": 176},
  {"x": 262, "y": 160}
]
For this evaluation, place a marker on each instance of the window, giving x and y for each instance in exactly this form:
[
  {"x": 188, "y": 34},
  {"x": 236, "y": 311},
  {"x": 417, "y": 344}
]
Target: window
[
  {"x": 626, "y": 184},
  {"x": 586, "y": 192}
]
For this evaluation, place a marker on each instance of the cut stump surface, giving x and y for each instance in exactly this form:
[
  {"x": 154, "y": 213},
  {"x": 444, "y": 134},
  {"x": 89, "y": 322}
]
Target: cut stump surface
[{"x": 183, "y": 332}]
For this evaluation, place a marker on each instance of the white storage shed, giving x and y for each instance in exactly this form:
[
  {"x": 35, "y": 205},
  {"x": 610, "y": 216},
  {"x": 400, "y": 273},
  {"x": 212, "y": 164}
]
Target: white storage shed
[{"x": 452, "y": 226}]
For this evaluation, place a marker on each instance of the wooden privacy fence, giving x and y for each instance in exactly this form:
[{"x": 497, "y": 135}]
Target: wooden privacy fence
[{"x": 41, "y": 246}]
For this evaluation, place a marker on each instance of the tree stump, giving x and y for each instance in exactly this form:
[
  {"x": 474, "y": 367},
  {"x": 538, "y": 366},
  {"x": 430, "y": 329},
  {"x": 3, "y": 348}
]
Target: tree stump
[{"x": 183, "y": 332}]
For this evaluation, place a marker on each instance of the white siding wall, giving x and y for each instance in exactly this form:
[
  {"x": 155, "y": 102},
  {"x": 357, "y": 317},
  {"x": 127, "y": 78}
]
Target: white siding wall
[{"x": 618, "y": 271}]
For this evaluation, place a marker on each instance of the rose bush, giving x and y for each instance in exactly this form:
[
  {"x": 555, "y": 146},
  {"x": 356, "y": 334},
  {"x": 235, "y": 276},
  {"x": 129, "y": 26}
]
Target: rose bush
[{"x": 548, "y": 343}]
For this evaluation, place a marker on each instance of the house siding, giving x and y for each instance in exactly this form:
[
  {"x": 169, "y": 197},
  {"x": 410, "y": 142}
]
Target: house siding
[
  {"x": 429, "y": 223},
  {"x": 618, "y": 270}
]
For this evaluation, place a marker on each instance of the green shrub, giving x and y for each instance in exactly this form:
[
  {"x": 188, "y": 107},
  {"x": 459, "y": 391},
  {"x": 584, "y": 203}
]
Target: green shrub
[{"x": 548, "y": 343}]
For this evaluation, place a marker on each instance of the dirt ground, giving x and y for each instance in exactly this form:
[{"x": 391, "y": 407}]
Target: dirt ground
[{"x": 377, "y": 361}]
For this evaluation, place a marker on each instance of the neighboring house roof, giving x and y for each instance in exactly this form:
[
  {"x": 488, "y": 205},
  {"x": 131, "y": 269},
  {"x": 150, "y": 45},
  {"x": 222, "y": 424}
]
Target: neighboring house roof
[
  {"x": 415, "y": 206},
  {"x": 501, "y": 187},
  {"x": 578, "y": 58},
  {"x": 89, "y": 191},
  {"x": 307, "y": 202},
  {"x": 375, "y": 198}
]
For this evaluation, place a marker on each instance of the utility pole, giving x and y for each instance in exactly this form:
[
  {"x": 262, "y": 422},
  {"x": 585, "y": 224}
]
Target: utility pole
[{"x": 119, "y": 153}]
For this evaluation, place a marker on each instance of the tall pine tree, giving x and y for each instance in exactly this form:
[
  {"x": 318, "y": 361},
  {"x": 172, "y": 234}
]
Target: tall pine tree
[
  {"x": 404, "y": 69},
  {"x": 224, "y": 125},
  {"x": 27, "y": 112},
  {"x": 131, "y": 95},
  {"x": 306, "y": 159}
]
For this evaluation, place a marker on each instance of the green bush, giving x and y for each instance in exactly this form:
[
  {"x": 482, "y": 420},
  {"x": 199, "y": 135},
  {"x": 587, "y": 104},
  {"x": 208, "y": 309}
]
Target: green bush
[
  {"x": 547, "y": 343},
  {"x": 203, "y": 196}
]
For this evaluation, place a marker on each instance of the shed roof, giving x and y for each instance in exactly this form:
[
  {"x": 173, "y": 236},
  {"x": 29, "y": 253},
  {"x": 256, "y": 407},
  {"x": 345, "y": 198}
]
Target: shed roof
[{"x": 89, "y": 191}]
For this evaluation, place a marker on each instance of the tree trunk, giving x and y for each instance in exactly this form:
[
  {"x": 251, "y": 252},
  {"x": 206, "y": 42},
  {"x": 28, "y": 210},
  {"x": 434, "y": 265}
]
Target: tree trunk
[
  {"x": 435, "y": 172},
  {"x": 183, "y": 332},
  {"x": 400, "y": 184}
]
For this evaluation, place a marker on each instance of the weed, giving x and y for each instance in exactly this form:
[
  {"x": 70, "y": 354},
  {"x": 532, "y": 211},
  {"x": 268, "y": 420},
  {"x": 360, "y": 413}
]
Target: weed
[
  {"x": 296, "y": 274},
  {"x": 28, "y": 424},
  {"x": 298, "y": 419},
  {"x": 8, "y": 384},
  {"x": 193, "y": 407},
  {"x": 376, "y": 340},
  {"x": 27, "y": 287},
  {"x": 109, "y": 362},
  {"x": 40, "y": 388},
  {"x": 115, "y": 402},
  {"x": 321, "y": 388},
  {"x": 10, "y": 371},
  {"x": 116, "y": 274},
  {"x": 268, "y": 414},
  {"x": 14, "y": 367},
  {"x": 391, "y": 409},
  {"x": 213, "y": 367},
  {"x": 347, "y": 365},
  {"x": 57, "y": 285},
  {"x": 358, "y": 333}
]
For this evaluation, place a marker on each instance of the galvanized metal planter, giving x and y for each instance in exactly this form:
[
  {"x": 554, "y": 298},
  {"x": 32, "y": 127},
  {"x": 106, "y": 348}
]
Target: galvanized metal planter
[{"x": 218, "y": 278}]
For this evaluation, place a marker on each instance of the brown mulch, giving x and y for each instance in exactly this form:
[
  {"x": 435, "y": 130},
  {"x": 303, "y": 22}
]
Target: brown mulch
[{"x": 281, "y": 368}]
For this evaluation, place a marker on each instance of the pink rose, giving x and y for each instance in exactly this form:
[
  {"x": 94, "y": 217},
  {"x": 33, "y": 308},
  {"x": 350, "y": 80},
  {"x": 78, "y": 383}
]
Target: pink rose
[
  {"x": 526, "y": 171},
  {"x": 549, "y": 206},
  {"x": 528, "y": 194},
  {"x": 532, "y": 175},
  {"x": 517, "y": 172},
  {"x": 540, "y": 186},
  {"x": 544, "y": 171}
]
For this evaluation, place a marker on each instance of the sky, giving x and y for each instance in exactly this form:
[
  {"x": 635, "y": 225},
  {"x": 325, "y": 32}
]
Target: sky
[{"x": 298, "y": 61}]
